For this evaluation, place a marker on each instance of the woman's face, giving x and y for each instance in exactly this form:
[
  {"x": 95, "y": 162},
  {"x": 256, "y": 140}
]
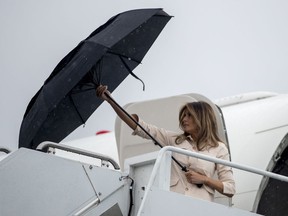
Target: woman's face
[{"x": 188, "y": 124}]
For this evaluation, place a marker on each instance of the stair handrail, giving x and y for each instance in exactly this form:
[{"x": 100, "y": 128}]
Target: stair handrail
[
  {"x": 44, "y": 146},
  {"x": 166, "y": 149}
]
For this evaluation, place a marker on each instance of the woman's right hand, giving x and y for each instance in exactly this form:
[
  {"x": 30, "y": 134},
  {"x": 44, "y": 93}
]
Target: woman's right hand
[{"x": 101, "y": 90}]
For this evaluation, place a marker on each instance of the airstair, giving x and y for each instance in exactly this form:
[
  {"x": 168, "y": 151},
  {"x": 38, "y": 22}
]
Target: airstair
[{"x": 34, "y": 182}]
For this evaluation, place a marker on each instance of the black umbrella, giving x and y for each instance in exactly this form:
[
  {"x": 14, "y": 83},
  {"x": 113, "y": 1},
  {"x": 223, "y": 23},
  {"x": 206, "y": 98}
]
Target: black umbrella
[{"x": 67, "y": 98}]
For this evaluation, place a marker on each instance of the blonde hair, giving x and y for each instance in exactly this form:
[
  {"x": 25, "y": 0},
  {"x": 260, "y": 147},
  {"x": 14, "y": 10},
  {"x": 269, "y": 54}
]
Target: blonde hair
[{"x": 206, "y": 124}]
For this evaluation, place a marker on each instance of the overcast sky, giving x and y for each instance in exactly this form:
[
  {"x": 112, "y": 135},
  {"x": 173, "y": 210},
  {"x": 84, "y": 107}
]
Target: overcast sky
[{"x": 217, "y": 48}]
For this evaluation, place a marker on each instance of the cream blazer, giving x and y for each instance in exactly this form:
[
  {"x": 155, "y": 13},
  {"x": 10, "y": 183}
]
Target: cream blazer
[{"x": 178, "y": 182}]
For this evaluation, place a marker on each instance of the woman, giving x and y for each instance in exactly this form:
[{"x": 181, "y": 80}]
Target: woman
[{"x": 200, "y": 134}]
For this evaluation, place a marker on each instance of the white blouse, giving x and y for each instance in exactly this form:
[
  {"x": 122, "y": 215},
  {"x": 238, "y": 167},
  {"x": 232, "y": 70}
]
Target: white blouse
[{"x": 178, "y": 181}]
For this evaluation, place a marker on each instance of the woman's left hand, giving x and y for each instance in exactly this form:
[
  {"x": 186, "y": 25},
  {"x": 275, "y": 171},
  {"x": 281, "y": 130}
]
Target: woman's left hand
[{"x": 195, "y": 178}]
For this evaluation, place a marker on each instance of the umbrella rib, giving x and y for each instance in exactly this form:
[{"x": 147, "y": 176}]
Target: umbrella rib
[
  {"x": 96, "y": 77},
  {"x": 121, "y": 55},
  {"x": 82, "y": 91},
  {"x": 74, "y": 105},
  {"x": 126, "y": 65},
  {"x": 131, "y": 72}
]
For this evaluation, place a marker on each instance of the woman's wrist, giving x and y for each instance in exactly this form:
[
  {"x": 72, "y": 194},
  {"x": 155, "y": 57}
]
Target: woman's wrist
[{"x": 206, "y": 180}]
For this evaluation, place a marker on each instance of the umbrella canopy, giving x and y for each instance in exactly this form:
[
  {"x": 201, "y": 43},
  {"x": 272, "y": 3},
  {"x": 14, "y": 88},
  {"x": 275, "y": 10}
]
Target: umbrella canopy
[{"x": 107, "y": 56}]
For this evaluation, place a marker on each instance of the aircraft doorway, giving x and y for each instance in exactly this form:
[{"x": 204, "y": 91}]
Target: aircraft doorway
[{"x": 272, "y": 195}]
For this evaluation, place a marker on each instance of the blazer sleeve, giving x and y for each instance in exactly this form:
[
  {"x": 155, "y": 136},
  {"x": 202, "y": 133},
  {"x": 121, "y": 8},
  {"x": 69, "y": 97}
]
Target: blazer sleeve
[
  {"x": 161, "y": 135},
  {"x": 225, "y": 173}
]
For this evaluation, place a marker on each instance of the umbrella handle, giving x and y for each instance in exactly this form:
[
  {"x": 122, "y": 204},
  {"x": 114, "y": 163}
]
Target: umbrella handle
[{"x": 183, "y": 168}]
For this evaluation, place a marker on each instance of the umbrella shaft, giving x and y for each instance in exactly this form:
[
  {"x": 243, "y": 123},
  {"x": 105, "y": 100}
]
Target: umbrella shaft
[{"x": 184, "y": 168}]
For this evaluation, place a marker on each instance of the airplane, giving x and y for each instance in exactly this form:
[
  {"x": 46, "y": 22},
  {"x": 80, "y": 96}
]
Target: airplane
[{"x": 254, "y": 125}]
